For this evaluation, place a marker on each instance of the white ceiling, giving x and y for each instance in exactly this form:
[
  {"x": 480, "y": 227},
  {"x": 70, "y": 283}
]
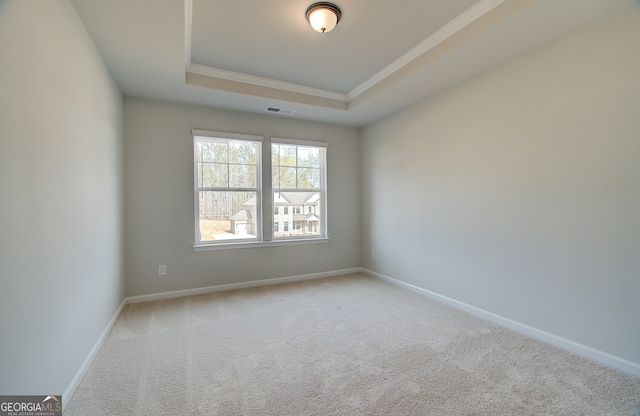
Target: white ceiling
[{"x": 384, "y": 55}]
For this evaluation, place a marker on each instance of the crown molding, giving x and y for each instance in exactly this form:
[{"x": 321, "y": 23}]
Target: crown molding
[{"x": 454, "y": 26}]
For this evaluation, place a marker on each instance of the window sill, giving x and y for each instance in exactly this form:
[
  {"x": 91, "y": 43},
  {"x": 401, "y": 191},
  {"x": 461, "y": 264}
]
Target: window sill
[{"x": 256, "y": 244}]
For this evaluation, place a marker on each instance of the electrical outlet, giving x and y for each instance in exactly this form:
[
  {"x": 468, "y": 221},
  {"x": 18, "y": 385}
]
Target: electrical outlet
[
  {"x": 373, "y": 254},
  {"x": 162, "y": 270}
]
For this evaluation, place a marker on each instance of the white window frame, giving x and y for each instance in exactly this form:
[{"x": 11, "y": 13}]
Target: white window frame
[
  {"x": 204, "y": 135},
  {"x": 265, "y": 222},
  {"x": 323, "y": 233}
]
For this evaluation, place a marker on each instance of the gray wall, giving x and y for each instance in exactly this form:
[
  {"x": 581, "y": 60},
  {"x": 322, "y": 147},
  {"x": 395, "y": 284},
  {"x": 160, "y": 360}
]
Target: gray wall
[
  {"x": 159, "y": 200},
  {"x": 61, "y": 196},
  {"x": 518, "y": 192}
]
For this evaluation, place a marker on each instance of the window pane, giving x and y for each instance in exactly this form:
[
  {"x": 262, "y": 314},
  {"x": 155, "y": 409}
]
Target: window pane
[
  {"x": 227, "y": 215},
  {"x": 309, "y": 178},
  {"x": 243, "y": 176},
  {"x": 286, "y": 179},
  {"x": 287, "y": 155},
  {"x": 242, "y": 153},
  {"x": 210, "y": 151},
  {"x": 275, "y": 177},
  {"x": 214, "y": 175},
  {"x": 308, "y": 157}
]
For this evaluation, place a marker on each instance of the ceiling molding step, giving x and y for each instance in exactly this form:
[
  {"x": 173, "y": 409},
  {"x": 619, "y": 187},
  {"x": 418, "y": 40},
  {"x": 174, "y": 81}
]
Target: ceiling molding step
[
  {"x": 457, "y": 24},
  {"x": 266, "y": 91},
  {"x": 255, "y": 80}
]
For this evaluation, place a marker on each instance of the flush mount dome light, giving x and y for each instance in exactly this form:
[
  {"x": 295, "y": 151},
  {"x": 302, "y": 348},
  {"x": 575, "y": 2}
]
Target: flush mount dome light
[{"x": 323, "y": 16}]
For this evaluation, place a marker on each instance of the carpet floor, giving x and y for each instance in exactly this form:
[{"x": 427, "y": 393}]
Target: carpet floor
[{"x": 349, "y": 345}]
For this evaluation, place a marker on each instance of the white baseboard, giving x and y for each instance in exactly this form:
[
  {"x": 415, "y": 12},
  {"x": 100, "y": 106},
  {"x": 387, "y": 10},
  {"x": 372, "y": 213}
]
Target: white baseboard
[
  {"x": 242, "y": 285},
  {"x": 566, "y": 344},
  {"x": 75, "y": 382},
  {"x": 588, "y": 352}
]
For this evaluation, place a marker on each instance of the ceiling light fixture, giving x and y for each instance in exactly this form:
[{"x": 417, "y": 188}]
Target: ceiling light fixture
[{"x": 323, "y": 16}]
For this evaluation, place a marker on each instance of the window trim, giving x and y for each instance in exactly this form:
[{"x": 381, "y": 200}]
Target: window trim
[
  {"x": 257, "y": 244},
  {"x": 265, "y": 159}
]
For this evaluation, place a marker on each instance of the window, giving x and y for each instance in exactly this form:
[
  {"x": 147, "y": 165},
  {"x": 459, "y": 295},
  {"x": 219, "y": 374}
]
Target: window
[
  {"x": 227, "y": 187},
  {"x": 229, "y": 199},
  {"x": 299, "y": 181}
]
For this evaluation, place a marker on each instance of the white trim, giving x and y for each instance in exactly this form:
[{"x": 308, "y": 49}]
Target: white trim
[
  {"x": 196, "y": 196},
  {"x": 288, "y": 241},
  {"x": 259, "y": 81},
  {"x": 226, "y": 135},
  {"x": 241, "y": 285},
  {"x": 566, "y": 344},
  {"x": 75, "y": 382},
  {"x": 599, "y": 356},
  {"x": 299, "y": 142}
]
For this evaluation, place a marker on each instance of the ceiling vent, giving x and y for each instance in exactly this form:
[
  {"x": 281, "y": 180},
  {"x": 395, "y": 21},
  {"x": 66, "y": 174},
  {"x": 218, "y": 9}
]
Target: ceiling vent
[{"x": 276, "y": 110}]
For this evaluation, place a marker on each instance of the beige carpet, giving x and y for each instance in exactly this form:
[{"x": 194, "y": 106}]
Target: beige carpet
[{"x": 350, "y": 345}]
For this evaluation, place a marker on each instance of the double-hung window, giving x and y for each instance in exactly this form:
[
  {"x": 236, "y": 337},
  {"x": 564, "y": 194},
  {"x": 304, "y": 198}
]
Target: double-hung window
[
  {"x": 229, "y": 201},
  {"x": 228, "y": 187},
  {"x": 298, "y": 171}
]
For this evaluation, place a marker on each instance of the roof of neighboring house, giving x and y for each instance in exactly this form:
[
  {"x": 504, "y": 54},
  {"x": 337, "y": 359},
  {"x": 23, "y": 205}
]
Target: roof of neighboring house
[
  {"x": 290, "y": 198},
  {"x": 296, "y": 198},
  {"x": 243, "y": 215}
]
